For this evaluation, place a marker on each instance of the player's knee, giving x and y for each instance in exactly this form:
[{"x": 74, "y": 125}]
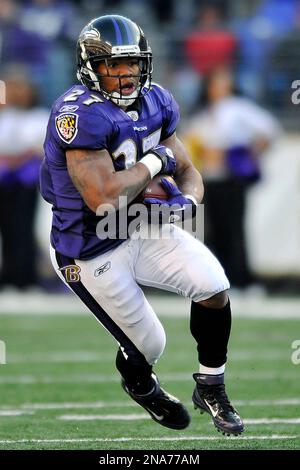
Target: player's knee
[
  {"x": 154, "y": 344},
  {"x": 216, "y": 301}
]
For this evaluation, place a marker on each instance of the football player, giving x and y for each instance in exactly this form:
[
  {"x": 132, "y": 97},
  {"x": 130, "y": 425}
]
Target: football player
[{"x": 108, "y": 137}]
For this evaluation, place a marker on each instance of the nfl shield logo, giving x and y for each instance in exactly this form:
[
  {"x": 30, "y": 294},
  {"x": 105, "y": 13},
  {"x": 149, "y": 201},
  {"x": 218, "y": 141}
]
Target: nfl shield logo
[{"x": 66, "y": 126}]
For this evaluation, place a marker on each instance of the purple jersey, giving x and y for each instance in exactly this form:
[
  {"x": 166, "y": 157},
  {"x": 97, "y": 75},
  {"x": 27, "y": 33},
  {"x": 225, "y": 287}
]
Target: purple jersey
[{"x": 82, "y": 118}]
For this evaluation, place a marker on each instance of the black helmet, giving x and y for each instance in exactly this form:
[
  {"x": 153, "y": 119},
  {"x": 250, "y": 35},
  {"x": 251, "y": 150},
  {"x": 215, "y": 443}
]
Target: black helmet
[{"x": 107, "y": 37}]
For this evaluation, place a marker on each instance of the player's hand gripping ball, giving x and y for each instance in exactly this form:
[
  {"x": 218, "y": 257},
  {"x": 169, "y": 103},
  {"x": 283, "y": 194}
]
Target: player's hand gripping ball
[{"x": 156, "y": 190}]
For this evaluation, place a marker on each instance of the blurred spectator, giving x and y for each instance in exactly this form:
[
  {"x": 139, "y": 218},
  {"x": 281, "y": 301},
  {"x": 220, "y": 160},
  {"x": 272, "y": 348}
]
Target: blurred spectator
[
  {"x": 163, "y": 10},
  {"x": 184, "y": 83},
  {"x": 38, "y": 34},
  {"x": 22, "y": 131},
  {"x": 211, "y": 45},
  {"x": 226, "y": 140},
  {"x": 258, "y": 37},
  {"x": 17, "y": 44},
  {"x": 49, "y": 19},
  {"x": 56, "y": 24},
  {"x": 284, "y": 68}
]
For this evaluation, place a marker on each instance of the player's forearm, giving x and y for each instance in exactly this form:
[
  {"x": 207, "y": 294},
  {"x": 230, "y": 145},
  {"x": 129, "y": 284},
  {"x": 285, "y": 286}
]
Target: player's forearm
[
  {"x": 128, "y": 183},
  {"x": 131, "y": 182},
  {"x": 94, "y": 176},
  {"x": 190, "y": 182}
]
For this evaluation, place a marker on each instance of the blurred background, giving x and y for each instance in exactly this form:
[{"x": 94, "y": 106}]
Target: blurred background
[{"x": 231, "y": 67}]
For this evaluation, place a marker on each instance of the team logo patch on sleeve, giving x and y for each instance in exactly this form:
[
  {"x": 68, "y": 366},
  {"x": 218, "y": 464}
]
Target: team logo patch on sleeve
[{"x": 67, "y": 126}]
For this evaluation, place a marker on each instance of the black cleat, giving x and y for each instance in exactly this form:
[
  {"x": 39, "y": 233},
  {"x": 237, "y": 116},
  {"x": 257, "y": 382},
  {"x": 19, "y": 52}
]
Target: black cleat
[
  {"x": 162, "y": 407},
  {"x": 210, "y": 396}
]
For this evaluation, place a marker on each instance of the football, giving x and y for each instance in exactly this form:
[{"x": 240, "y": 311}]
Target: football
[{"x": 155, "y": 189}]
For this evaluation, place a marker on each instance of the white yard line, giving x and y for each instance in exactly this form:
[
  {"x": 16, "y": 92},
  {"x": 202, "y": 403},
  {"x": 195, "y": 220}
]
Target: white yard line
[
  {"x": 136, "y": 417},
  {"x": 279, "y": 402},
  {"x": 272, "y": 421},
  {"x": 60, "y": 357},
  {"x": 50, "y": 357},
  {"x": 139, "y": 416},
  {"x": 148, "y": 439},
  {"x": 130, "y": 404},
  {"x": 112, "y": 417},
  {"x": 74, "y": 406},
  {"x": 167, "y": 377},
  {"x": 15, "y": 412},
  {"x": 167, "y": 305}
]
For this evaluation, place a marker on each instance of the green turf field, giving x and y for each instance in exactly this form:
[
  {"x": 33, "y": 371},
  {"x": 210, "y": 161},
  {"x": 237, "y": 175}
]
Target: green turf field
[{"x": 61, "y": 368}]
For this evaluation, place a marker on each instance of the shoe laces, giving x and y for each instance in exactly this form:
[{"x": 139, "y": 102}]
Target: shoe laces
[{"x": 217, "y": 394}]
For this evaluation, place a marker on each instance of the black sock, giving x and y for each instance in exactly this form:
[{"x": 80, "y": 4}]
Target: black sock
[
  {"x": 137, "y": 376},
  {"x": 211, "y": 330}
]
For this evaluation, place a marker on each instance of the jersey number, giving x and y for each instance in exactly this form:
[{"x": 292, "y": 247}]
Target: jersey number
[
  {"x": 74, "y": 95},
  {"x": 128, "y": 148}
]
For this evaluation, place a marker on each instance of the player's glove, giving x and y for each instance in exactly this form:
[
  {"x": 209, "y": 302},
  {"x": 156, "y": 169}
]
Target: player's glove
[
  {"x": 175, "y": 196},
  {"x": 176, "y": 199},
  {"x": 166, "y": 157}
]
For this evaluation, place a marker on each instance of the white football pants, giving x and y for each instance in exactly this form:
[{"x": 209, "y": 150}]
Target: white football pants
[{"x": 181, "y": 264}]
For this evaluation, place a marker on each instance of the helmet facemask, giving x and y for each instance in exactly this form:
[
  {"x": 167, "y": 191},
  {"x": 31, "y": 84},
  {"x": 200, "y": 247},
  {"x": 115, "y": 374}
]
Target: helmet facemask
[{"x": 93, "y": 53}]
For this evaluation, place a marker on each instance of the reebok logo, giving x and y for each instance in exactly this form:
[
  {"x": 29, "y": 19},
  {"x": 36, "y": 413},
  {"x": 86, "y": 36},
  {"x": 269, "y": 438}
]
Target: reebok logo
[{"x": 105, "y": 267}]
